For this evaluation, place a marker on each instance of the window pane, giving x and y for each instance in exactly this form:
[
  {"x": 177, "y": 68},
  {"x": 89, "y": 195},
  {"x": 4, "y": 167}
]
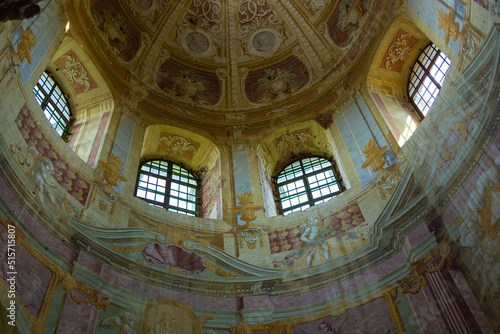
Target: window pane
[
  {"x": 158, "y": 183},
  {"x": 316, "y": 179}
]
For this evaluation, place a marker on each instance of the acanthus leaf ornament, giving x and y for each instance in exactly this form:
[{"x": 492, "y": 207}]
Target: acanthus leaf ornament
[
  {"x": 398, "y": 51},
  {"x": 178, "y": 145},
  {"x": 75, "y": 72}
]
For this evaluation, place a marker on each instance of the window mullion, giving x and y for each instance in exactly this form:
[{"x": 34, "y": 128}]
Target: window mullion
[{"x": 307, "y": 186}]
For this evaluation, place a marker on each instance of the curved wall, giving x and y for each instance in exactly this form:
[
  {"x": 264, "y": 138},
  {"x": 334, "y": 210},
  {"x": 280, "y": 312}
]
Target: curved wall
[{"x": 90, "y": 257}]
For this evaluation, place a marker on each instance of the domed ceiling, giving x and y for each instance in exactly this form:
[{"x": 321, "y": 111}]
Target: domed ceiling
[{"x": 215, "y": 64}]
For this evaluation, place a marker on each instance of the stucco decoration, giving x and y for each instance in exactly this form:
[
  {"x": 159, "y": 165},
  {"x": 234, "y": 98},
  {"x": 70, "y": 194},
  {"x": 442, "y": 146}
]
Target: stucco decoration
[
  {"x": 434, "y": 259},
  {"x": 348, "y": 20},
  {"x": 174, "y": 256},
  {"x": 201, "y": 30},
  {"x": 188, "y": 85},
  {"x": 116, "y": 28},
  {"x": 255, "y": 13},
  {"x": 110, "y": 176},
  {"x": 276, "y": 83},
  {"x": 178, "y": 145},
  {"x": 251, "y": 236},
  {"x": 76, "y": 73},
  {"x": 398, "y": 50},
  {"x": 263, "y": 42},
  {"x": 261, "y": 31},
  {"x": 294, "y": 143}
]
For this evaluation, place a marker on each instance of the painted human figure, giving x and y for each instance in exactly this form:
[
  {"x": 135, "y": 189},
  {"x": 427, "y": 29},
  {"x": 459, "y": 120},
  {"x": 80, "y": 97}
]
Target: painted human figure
[
  {"x": 42, "y": 170},
  {"x": 313, "y": 240}
]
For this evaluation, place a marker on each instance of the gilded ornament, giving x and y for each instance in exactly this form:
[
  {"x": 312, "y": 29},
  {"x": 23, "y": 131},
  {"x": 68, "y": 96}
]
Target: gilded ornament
[
  {"x": 434, "y": 259},
  {"x": 247, "y": 208},
  {"x": 374, "y": 156},
  {"x": 177, "y": 145},
  {"x": 25, "y": 44}
]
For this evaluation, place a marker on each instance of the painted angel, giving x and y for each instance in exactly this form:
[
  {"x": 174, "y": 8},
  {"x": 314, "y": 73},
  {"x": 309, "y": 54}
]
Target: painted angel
[{"x": 125, "y": 324}]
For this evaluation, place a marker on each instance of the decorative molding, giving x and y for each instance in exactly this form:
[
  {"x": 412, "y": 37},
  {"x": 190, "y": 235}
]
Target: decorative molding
[
  {"x": 441, "y": 255},
  {"x": 110, "y": 176},
  {"x": 59, "y": 277},
  {"x": 251, "y": 235}
]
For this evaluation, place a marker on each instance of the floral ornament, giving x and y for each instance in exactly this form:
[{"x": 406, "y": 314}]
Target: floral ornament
[
  {"x": 277, "y": 84},
  {"x": 75, "y": 71},
  {"x": 293, "y": 143},
  {"x": 178, "y": 145},
  {"x": 114, "y": 26},
  {"x": 189, "y": 86},
  {"x": 398, "y": 51}
]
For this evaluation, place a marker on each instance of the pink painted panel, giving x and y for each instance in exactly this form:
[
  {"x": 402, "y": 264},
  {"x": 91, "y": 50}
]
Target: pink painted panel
[
  {"x": 33, "y": 225},
  {"x": 153, "y": 292},
  {"x": 387, "y": 116},
  {"x": 98, "y": 139},
  {"x": 74, "y": 135},
  {"x": 32, "y": 278},
  {"x": 339, "y": 288},
  {"x": 76, "y": 318}
]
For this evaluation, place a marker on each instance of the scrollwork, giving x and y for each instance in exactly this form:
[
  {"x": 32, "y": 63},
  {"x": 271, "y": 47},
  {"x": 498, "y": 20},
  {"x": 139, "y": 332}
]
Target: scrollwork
[{"x": 398, "y": 51}]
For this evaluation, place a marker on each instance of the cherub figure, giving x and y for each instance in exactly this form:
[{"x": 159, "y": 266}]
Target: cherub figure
[
  {"x": 314, "y": 239},
  {"x": 125, "y": 324}
]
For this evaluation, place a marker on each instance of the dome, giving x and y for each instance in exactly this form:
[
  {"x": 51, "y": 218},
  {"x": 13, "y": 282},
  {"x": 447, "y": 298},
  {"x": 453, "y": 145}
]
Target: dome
[
  {"x": 216, "y": 64},
  {"x": 249, "y": 166}
]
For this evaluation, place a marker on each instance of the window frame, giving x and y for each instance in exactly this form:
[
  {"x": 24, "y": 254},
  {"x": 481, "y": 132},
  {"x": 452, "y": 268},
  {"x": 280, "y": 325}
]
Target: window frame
[
  {"x": 62, "y": 121},
  {"x": 168, "y": 186},
  {"x": 427, "y": 50},
  {"x": 310, "y": 200}
]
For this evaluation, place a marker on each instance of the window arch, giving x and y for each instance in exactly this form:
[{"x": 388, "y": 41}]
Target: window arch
[
  {"x": 165, "y": 184},
  {"x": 426, "y": 78},
  {"x": 50, "y": 97},
  {"x": 307, "y": 182}
]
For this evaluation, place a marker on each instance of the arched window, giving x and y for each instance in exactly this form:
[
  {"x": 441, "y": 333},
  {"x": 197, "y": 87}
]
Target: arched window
[
  {"x": 427, "y": 77},
  {"x": 305, "y": 183},
  {"x": 55, "y": 107},
  {"x": 165, "y": 184}
]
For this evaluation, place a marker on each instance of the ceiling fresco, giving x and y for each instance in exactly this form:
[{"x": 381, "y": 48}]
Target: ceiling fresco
[{"x": 201, "y": 62}]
